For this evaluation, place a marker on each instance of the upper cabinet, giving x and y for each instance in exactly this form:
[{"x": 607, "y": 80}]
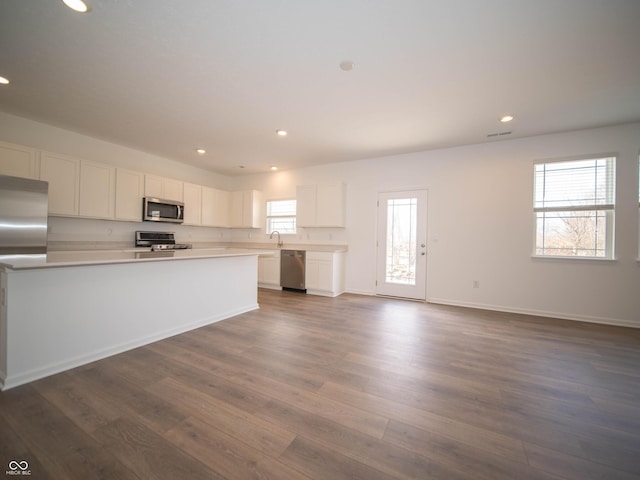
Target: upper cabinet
[
  {"x": 192, "y": 197},
  {"x": 63, "y": 175},
  {"x": 97, "y": 188},
  {"x": 246, "y": 209},
  {"x": 164, "y": 188},
  {"x": 78, "y": 187},
  {"x": 215, "y": 207},
  {"x": 81, "y": 188},
  {"x": 18, "y": 161},
  {"x": 322, "y": 205},
  {"x": 129, "y": 193}
]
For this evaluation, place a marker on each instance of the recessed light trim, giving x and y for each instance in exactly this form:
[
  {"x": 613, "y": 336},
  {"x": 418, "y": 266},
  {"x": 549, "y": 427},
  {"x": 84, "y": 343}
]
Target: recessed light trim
[
  {"x": 4, "y": 81},
  {"x": 281, "y": 133},
  {"x": 200, "y": 151},
  {"x": 77, "y": 5},
  {"x": 506, "y": 118}
]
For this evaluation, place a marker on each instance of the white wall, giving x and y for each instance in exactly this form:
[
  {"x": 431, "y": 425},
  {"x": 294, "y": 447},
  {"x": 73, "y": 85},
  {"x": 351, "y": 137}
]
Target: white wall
[{"x": 480, "y": 224}]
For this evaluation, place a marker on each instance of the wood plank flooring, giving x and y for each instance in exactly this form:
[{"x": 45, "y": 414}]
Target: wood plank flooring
[{"x": 352, "y": 387}]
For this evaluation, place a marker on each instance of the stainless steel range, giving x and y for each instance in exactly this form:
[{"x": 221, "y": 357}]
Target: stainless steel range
[{"x": 159, "y": 241}]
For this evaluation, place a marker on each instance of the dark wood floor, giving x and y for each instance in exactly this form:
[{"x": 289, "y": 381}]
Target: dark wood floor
[{"x": 353, "y": 387}]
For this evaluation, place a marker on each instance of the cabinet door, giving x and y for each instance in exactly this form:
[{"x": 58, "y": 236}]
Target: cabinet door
[
  {"x": 193, "y": 204},
  {"x": 330, "y": 205},
  {"x": 272, "y": 270},
  {"x": 153, "y": 186},
  {"x": 253, "y": 208},
  {"x": 237, "y": 209},
  {"x": 325, "y": 275},
  {"x": 18, "y": 161},
  {"x": 312, "y": 275},
  {"x": 172, "y": 190},
  {"x": 63, "y": 175},
  {"x": 269, "y": 270},
  {"x": 306, "y": 205},
  {"x": 163, "y": 188},
  {"x": 129, "y": 193},
  {"x": 208, "y": 205},
  {"x": 215, "y": 207},
  {"x": 97, "y": 188},
  {"x": 221, "y": 203}
]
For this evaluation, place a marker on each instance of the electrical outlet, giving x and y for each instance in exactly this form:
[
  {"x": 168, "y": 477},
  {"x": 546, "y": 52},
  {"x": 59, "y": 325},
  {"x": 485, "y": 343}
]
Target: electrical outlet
[{"x": 476, "y": 284}]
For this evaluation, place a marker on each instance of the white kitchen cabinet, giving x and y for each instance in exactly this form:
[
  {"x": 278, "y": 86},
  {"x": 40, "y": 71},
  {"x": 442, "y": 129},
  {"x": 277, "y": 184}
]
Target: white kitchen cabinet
[
  {"x": 129, "y": 193},
  {"x": 18, "y": 161},
  {"x": 97, "y": 190},
  {"x": 215, "y": 207},
  {"x": 164, "y": 188},
  {"x": 306, "y": 205},
  {"x": 192, "y": 204},
  {"x": 325, "y": 273},
  {"x": 269, "y": 271},
  {"x": 63, "y": 175},
  {"x": 322, "y": 205},
  {"x": 246, "y": 209}
]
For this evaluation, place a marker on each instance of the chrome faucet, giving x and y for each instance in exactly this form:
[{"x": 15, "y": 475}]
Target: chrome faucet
[{"x": 279, "y": 241}]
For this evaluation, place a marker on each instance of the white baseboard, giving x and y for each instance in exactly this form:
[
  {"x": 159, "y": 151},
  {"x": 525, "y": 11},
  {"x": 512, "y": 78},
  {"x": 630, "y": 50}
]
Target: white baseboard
[
  {"x": 361, "y": 292},
  {"x": 29, "y": 376},
  {"x": 539, "y": 313}
]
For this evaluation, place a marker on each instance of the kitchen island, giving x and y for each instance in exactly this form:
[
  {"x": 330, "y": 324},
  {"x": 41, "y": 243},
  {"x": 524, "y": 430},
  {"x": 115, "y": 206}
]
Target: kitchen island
[{"x": 65, "y": 309}]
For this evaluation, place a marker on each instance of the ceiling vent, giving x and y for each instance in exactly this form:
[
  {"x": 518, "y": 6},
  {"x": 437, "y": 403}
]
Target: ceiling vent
[{"x": 498, "y": 134}]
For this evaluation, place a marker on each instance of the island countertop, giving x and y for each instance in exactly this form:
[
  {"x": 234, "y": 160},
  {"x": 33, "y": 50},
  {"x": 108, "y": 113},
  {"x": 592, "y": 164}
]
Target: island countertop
[{"x": 58, "y": 259}]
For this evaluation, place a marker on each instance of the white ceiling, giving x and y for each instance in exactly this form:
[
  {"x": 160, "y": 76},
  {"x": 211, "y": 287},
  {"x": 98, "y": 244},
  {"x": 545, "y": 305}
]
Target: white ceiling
[{"x": 167, "y": 76}]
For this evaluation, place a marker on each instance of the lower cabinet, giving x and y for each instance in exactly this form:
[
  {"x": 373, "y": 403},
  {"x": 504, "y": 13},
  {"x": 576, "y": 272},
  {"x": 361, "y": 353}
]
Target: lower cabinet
[
  {"x": 269, "y": 271},
  {"x": 325, "y": 273}
]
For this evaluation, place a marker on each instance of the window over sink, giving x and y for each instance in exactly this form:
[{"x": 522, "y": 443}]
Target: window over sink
[{"x": 281, "y": 216}]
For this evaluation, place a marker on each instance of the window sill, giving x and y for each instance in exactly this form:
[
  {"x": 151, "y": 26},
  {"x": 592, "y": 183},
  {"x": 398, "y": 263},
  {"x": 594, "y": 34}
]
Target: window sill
[{"x": 575, "y": 259}]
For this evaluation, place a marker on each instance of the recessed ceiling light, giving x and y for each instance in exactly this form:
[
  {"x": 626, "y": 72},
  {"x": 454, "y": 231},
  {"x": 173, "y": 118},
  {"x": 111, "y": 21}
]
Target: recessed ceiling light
[
  {"x": 506, "y": 118},
  {"x": 281, "y": 133},
  {"x": 347, "y": 65},
  {"x": 201, "y": 151},
  {"x": 76, "y": 5},
  {"x": 274, "y": 168},
  {"x": 4, "y": 81}
]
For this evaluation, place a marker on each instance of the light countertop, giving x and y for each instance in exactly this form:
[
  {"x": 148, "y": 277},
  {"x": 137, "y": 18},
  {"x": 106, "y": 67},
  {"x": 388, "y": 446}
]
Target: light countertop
[{"x": 106, "y": 257}]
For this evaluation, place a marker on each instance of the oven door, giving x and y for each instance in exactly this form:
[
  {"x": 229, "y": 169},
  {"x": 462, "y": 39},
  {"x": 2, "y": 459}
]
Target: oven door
[{"x": 158, "y": 210}]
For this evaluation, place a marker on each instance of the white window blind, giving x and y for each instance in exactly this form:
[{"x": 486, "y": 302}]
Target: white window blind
[
  {"x": 574, "y": 207},
  {"x": 281, "y": 216}
]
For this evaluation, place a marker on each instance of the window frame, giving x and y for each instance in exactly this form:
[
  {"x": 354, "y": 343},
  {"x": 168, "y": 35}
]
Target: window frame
[
  {"x": 268, "y": 217},
  {"x": 609, "y": 207}
]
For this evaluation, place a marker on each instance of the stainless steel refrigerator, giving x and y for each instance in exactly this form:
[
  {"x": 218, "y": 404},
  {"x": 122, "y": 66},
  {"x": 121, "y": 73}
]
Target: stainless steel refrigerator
[{"x": 23, "y": 216}]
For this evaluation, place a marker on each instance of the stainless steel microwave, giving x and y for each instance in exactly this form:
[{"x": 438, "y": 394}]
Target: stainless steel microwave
[{"x": 159, "y": 210}]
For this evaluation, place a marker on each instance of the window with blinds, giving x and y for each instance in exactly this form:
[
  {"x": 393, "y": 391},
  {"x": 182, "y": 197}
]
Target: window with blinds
[
  {"x": 574, "y": 202},
  {"x": 281, "y": 216}
]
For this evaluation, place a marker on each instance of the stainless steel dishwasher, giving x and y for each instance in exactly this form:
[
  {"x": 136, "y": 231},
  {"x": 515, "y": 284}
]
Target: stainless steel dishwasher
[{"x": 292, "y": 270}]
